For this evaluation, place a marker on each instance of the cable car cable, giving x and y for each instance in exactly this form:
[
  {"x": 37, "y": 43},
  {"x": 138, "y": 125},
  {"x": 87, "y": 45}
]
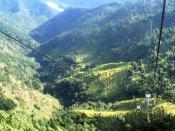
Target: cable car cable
[
  {"x": 42, "y": 54},
  {"x": 160, "y": 36}
]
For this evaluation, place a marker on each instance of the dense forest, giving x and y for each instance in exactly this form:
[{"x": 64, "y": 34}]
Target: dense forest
[{"x": 98, "y": 72}]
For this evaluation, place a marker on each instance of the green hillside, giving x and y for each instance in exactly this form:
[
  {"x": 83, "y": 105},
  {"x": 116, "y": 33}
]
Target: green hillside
[
  {"x": 129, "y": 35},
  {"x": 99, "y": 83},
  {"x": 104, "y": 65},
  {"x": 19, "y": 17},
  {"x": 21, "y": 94},
  {"x": 106, "y": 32},
  {"x": 45, "y": 32}
]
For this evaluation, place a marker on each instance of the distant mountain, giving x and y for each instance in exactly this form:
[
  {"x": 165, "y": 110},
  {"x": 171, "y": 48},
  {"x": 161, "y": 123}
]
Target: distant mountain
[
  {"x": 19, "y": 17},
  {"x": 63, "y": 21},
  {"x": 85, "y": 3},
  {"x": 103, "y": 34},
  {"x": 27, "y": 7},
  {"x": 9, "y": 5},
  {"x": 27, "y": 13}
]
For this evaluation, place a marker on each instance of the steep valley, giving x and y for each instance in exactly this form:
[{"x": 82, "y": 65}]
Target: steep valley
[{"x": 100, "y": 64}]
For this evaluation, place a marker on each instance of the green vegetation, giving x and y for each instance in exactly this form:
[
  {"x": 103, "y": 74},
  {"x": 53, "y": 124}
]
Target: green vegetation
[
  {"x": 97, "y": 79},
  {"x": 6, "y": 104},
  {"x": 105, "y": 68},
  {"x": 115, "y": 120},
  {"x": 99, "y": 83},
  {"x": 19, "y": 17},
  {"x": 23, "y": 106},
  {"x": 123, "y": 28}
]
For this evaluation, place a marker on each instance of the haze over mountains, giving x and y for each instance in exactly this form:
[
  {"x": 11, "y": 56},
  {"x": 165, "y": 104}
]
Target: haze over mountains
[
  {"x": 24, "y": 13},
  {"x": 25, "y": 6},
  {"x": 19, "y": 17},
  {"x": 85, "y": 3},
  {"x": 35, "y": 12}
]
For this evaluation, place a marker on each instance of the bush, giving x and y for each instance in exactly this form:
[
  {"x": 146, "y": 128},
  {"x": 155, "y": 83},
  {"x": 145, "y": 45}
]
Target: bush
[
  {"x": 158, "y": 121},
  {"x": 169, "y": 96},
  {"x": 68, "y": 91},
  {"x": 6, "y": 104}
]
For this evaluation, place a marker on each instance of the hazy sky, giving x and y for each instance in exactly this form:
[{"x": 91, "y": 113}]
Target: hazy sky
[
  {"x": 79, "y": 3},
  {"x": 54, "y": 5},
  {"x": 60, "y": 5}
]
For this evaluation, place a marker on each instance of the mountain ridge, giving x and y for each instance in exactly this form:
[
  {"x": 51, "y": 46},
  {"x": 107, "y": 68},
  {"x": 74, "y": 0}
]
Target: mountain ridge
[{"x": 99, "y": 25}]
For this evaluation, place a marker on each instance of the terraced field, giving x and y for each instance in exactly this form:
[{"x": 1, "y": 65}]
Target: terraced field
[{"x": 124, "y": 107}]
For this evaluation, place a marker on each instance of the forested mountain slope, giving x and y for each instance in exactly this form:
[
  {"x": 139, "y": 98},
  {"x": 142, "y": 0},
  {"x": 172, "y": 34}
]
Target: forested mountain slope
[
  {"x": 113, "y": 33},
  {"x": 19, "y": 17},
  {"x": 32, "y": 7},
  {"x": 61, "y": 22},
  {"x": 24, "y": 15},
  {"x": 21, "y": 90},
  {"x": 104, "y": 60},
  {"x": 21, "y": 96},
  {"x": 107, "y": 31}
]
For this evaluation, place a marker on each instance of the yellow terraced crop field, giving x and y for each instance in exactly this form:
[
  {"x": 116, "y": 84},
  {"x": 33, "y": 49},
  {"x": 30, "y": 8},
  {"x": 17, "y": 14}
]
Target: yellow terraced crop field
[
  {"x": 168, "y": 107},
  {"x": 92, "y": 113}
]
